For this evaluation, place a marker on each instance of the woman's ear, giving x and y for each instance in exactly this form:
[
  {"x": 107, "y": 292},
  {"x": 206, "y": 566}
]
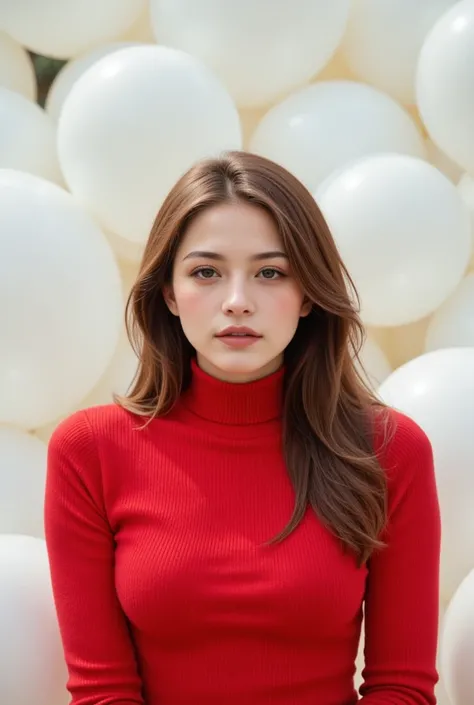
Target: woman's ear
[
  {"x": 306, "y": 307},
  {"x": 170, "y": 301}
]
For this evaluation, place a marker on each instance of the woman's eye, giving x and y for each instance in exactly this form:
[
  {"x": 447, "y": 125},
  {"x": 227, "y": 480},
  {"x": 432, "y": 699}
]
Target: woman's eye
[
  {"x": 270, "y": 273},
  {"x": 209, "y": 273},
  {"x": 204, "y": 273}
]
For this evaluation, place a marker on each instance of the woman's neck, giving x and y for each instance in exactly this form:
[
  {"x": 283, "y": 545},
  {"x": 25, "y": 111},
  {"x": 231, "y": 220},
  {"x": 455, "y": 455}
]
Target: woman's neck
[{"x": 225, "y": 402}]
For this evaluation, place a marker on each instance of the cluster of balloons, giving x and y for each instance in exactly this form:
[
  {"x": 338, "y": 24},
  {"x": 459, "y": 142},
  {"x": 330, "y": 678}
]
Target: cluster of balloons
[{"x": 369, "y": 102}]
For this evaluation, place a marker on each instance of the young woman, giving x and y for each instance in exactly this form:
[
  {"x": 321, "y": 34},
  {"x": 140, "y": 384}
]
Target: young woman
[{"x": 216, "y": 536}]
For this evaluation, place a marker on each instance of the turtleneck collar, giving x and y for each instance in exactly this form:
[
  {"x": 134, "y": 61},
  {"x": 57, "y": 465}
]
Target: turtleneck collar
[{"x": 234, "y": 403}]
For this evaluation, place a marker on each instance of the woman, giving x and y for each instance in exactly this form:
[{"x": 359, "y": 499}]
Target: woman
[{"x": 215, "y": 536}]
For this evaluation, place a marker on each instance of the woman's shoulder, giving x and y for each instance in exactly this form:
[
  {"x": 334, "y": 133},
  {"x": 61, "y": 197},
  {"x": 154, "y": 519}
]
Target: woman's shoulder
[
  {"x": 403, "y": 447},
  {"x": 83, "y": 428},
  {"x": 397, "y": 432}
]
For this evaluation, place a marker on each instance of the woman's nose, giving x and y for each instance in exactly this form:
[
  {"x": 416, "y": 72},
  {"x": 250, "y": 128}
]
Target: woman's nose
[{"x": 238, "y": 300}]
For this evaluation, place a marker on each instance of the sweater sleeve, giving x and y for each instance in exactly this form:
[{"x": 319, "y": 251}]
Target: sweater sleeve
[
  {"x": 97, "y": 645},
  {"x": 402, "y": 597}
]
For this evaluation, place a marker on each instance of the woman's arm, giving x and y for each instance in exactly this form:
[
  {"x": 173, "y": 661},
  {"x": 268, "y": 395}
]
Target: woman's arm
[
  {"x": 97, "y": 646},
  {"x": 402, "y": 598}
]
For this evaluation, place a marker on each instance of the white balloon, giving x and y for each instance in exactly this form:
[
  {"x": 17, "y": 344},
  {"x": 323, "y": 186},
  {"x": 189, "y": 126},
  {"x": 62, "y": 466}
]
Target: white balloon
[
  {"x": 70, "y": 73},
  {"x": 16, "y": 68},
  {"x": 445, "y": 80},
  {"x": 62, "y": 304},
  {"x": 259, "y": 52},
  {"x": 330, "y": 123},
  {"x": 27, "y": 137},
  {"x": 437, "y": 391},
  {"x": 457, "y": 644},
  {"x": 452, "y": 325},
  {"x": 22, "y": 482},
  {"x": 375, "y": 363},
  {"x": 403, "y": 231},
  {"x": 65, "y": 28},
  {"x": 383, "y": 39},
  {"x": 132, "y": 124},
  {"x": 32, "y": 668}
]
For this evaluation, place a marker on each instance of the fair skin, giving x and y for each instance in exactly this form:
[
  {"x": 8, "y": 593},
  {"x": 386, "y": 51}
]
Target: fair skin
[{"x": 231, "y": 270}]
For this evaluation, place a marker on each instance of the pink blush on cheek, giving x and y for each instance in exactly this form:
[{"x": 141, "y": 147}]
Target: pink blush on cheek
[
  {"x": 190, "y": 301},
  {"x": 287, "y": 303}
]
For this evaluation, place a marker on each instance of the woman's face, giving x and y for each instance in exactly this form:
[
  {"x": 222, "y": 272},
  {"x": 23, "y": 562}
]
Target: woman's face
[{"x": 231, "y": 270}]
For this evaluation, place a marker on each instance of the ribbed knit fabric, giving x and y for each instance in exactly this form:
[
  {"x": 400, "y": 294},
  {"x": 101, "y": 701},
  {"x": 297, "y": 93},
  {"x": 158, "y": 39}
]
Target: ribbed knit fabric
[{"x": 167, "y": 595}]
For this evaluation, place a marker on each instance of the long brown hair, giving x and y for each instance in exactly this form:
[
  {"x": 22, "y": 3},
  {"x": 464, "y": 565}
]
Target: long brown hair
[{"x": 328, "y": 410}]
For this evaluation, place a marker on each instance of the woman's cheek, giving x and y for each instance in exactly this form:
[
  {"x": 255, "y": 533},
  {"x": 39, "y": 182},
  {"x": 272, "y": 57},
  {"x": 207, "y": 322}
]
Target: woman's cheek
[
  {"x": 287, "y": 300},
  {"x": 189, "y": 297}
]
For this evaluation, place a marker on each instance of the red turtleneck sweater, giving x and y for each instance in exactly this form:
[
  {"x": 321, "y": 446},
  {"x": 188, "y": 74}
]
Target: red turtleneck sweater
[{"x": 166, "y": 596}]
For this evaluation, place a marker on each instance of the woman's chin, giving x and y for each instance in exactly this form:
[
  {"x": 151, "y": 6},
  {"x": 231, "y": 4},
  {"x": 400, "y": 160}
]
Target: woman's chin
[{"x": 239, "y": 366}]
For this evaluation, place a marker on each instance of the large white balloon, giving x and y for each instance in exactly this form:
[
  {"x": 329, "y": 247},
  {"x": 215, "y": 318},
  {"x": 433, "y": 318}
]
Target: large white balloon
[
  {"x": 22, "y": 482},
  {"x": 132, "y": 124},
  {"x": 65, "y": 28},
  {"x": 32, "y": 668},
  {"x": 61, "y": 297},
  {"x": 260, "y": 51},
  {"x": 383, "y": 40},
  {"x": 16, "y": 68},
  {"x": 70, "y": 73},
  {"x": 452, "y": 325},
  {"x": 445, "y": 80},
  {"x": 27, "y": 137},
  {"x": 330, "y": 123},
  {"x": 437, "y": 391},
  {"x": 403, "y": 231},
  {"x": 457, "y": 644}
]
